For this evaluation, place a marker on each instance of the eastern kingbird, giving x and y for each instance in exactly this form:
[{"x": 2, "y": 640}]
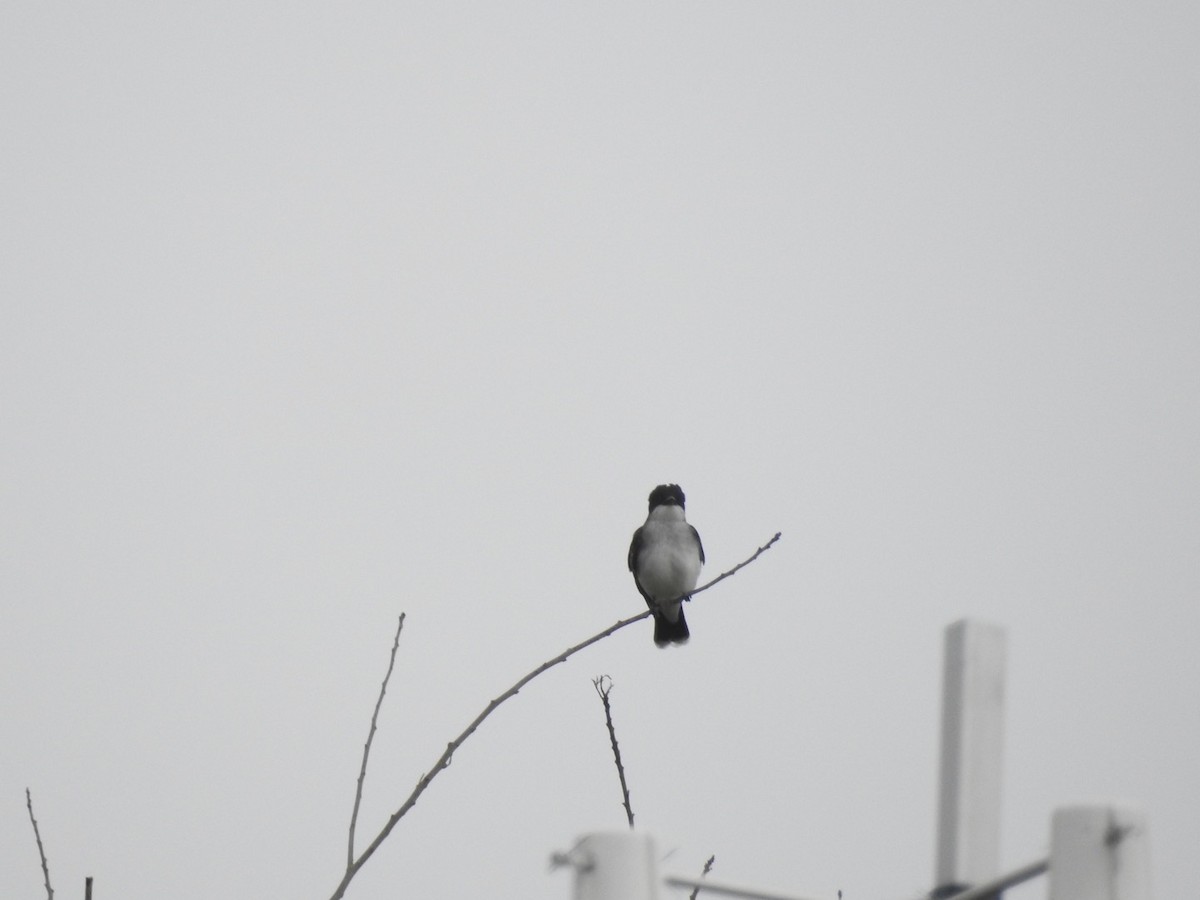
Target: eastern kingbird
[{"x": 665, "y": 559}]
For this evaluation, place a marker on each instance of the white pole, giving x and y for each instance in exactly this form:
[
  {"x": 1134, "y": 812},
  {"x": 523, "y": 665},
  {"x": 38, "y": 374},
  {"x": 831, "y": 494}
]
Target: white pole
[
  {"x": 617, "y": 865},
  {"x": 972, "y": 739},
  {"x": 1099, "y": 853}
]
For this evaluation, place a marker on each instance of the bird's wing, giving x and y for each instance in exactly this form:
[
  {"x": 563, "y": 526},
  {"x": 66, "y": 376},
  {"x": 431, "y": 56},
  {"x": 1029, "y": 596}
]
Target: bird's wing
[
  {"x": 699, "y": 545},
  {"x": 635, "y": 547}
]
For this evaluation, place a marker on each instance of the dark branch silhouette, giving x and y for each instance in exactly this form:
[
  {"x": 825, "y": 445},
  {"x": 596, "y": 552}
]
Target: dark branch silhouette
[
  {"x": 708, "y": 868},
  {"x": 444, "y": 760},
  {"x": 362, "y": 772},
  {"x": 41, "y": 850},
  {"x": 603, "y": 685}
]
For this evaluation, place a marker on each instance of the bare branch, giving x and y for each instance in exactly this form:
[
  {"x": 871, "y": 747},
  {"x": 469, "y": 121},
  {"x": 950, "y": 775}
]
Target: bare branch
[
  {"x": 757, "y": 553},
  {"x": 41, "y": 850},
  {"x": 444, "y": 760},
  {"x": 707, "y": 868},
  {"x": 362, "y": 772},
  {"x": 603, "y": 685}
]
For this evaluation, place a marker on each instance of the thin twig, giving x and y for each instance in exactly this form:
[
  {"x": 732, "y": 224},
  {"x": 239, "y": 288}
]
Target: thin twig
[
  {"x": 41, "y": 850},
  {"x": 362, "y": 772},
  {"x": 603, "y": 685},
  {"x": 444, "y": 760},
  {"x": 707, "y": 868}
]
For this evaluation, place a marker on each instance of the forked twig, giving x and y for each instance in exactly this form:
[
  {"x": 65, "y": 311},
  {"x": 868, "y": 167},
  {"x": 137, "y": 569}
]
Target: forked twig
[
  {"x": 41, "y": 850},
  {"x": 603, "y": 685},
  {"x": 362, "y": 772},
  {"x": 444, "y": 760}
]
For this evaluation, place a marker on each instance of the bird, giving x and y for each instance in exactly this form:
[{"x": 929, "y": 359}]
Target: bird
[{"x": 665, "y": 557}]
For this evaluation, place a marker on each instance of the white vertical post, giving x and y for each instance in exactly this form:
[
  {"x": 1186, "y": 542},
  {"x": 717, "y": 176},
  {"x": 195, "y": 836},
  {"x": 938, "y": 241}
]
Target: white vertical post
[
  {"x": 1099, "y": 853},
  {"x": 618, "y": 865},
  {"x": 972, "y": 740}
]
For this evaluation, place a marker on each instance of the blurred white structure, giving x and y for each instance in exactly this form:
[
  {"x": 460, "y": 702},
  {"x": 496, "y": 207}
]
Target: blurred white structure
[
  {"x": 968, "y": 846},
  {"x": 1096, "y": 852},
  {"x": 616, "y": 865}
]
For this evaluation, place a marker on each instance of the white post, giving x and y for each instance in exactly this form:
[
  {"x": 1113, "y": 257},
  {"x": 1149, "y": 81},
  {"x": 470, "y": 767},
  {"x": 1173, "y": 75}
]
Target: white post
[
  {"x": 618, "y": 865},
  {"x": 972, "y": 739},
  {"x": 1099, "y": 853}
]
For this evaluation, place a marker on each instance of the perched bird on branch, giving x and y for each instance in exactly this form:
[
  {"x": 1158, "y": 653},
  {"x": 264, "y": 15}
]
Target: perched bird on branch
[{"x": 665, "y": 558}]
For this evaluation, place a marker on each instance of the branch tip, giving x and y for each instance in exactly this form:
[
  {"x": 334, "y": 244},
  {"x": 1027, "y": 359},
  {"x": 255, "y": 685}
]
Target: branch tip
[
  {"x": 37, "y": 835},
  {"x": 362, "y": 772}
]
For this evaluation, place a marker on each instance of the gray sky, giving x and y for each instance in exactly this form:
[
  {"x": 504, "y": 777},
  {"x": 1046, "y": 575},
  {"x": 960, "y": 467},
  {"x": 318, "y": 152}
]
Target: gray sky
[{"x": 316, "y": 315}]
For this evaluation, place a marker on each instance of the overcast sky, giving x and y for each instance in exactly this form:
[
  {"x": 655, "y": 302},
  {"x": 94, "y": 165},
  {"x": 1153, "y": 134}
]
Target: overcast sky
[{"x": 314, "y": 315}]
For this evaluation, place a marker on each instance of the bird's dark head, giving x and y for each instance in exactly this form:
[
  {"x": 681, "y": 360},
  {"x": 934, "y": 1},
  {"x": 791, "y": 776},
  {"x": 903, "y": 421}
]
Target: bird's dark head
[{"x": 666, "y": 495}]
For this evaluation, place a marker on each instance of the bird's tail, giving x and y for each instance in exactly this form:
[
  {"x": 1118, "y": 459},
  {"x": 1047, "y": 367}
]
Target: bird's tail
[{"x": 667, "y": 632}]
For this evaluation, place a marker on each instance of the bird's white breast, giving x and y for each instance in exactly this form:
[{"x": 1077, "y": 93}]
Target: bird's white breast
[{"x": 669, "y": 562}]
